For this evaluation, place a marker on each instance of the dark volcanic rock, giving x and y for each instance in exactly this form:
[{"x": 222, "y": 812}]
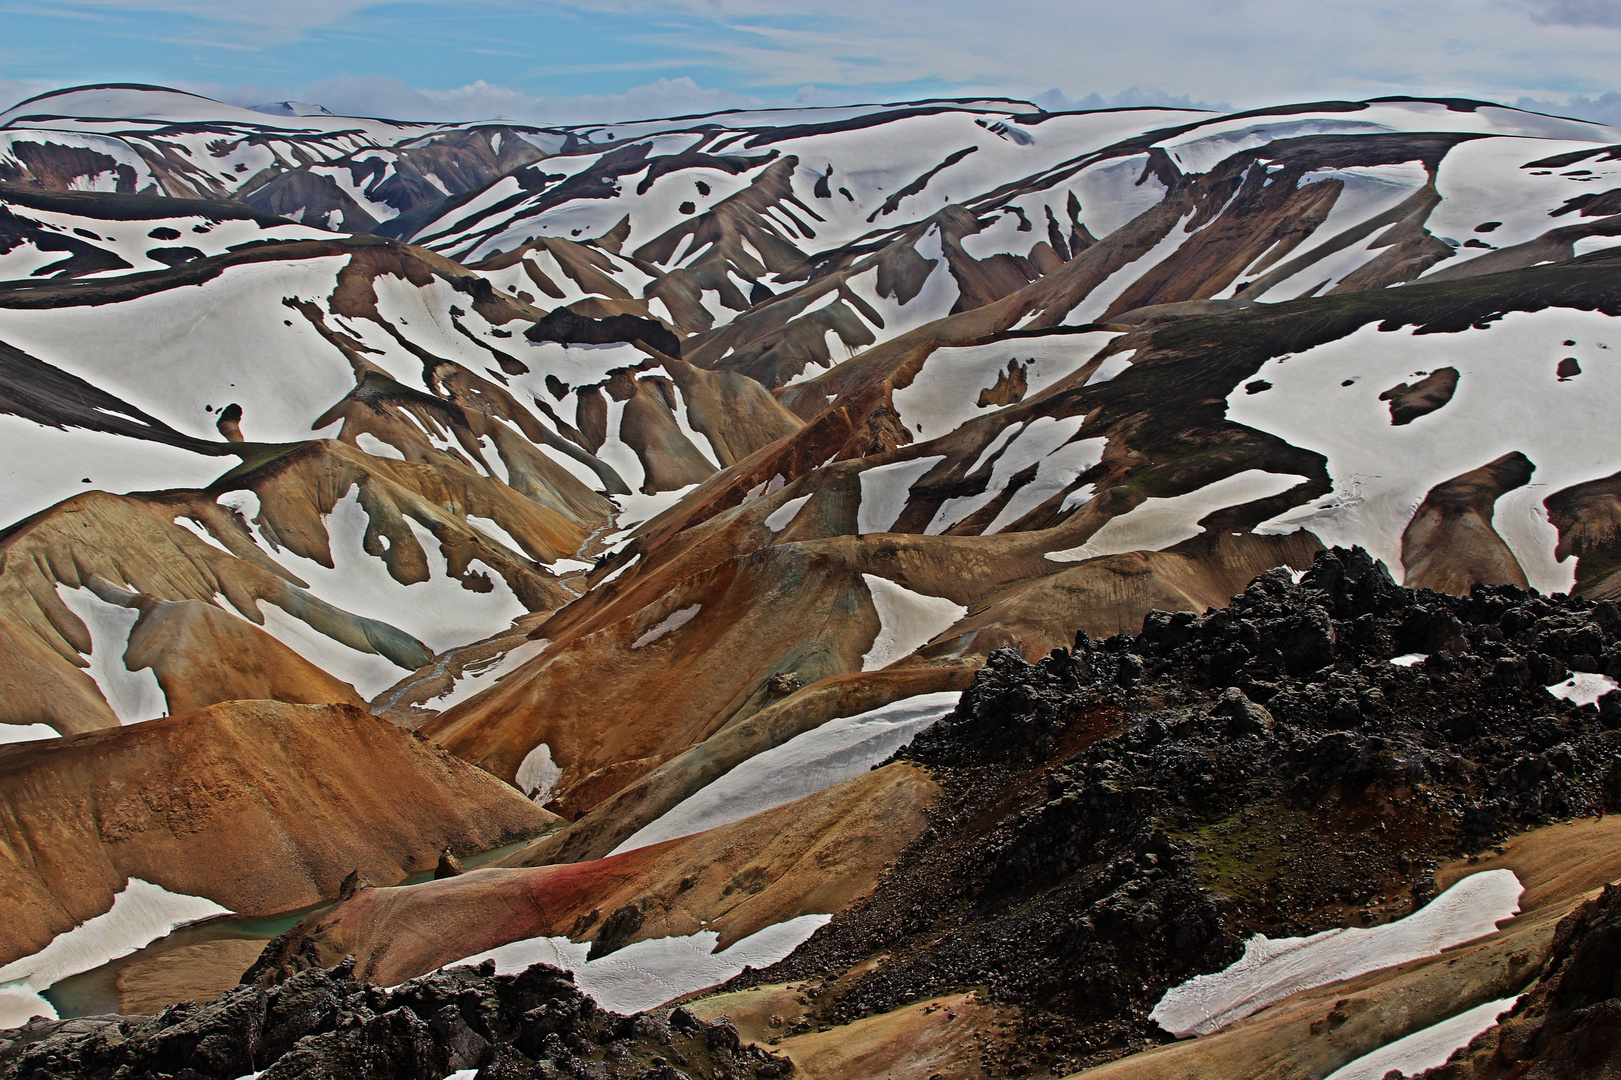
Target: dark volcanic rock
[
  {"x": 324, "y": 1025},
  {"x": 1119, "y": 817},
  {"x": 571, "y": 328}
]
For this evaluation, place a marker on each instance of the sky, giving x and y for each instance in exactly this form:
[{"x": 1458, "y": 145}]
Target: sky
[{"x": 559, "y": 61}]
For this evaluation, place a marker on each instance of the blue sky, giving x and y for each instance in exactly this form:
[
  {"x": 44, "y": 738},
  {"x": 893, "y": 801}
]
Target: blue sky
[{"x": 617, "y": 59}]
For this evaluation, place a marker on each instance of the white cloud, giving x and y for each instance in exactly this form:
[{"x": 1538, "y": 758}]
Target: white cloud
[
  {"x": 264, "y": 21},
  {"x": 394, "y": 99},
  {"x": 1603, "y": 109},
  {"x": 1136, "y": 97},
  {"x": 1247, "y": 52},
  {"x": 665, "y": 97}
]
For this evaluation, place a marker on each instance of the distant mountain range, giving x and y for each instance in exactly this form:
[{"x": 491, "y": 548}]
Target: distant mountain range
[{"x": 675, "y": 473}]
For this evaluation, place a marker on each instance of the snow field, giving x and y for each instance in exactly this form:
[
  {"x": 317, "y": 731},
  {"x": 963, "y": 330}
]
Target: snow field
[
  {"x": 1096, "y": 302},
  {"x": 141, "y": 913},
  {"x": 1383, "y": 472},
  {"x": 42, "y": 466},
  {"x": 906, "y": 621},
  {"x": 812, "y": 761},
  {"x": 117, "y": 149},
  {"x": 1155, "y": 524},
  {"x": 438, "y": 612},
  {"x": 213, "y": 340},
  {"x": 131, "y": 240},
  {"x": 945, "y": 394},
  {"x": 1208, "y": 145},
  {"x": 1368, "y": 191},
  {"x": 933, "y": 301},
  {"x": 1271, "y": 970},
  {"x": 1034, "y": 443},
  {"x": 649, "y": 973},
  {"x": 1484, "y": 180}
]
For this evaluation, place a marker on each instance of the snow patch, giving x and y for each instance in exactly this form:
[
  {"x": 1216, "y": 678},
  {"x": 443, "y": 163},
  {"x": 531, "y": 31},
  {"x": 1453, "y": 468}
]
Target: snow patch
[
  {"x": 15, "y": 733},
  {"x": 646, "y": 974},
  {"x": 376, "y": 447},
  {"x": 1428, "y": 1047},
  {"x": 1272, "y": 970},
  {"x": 133, "y": 695},
  {"x": 812, "y": 761},
  {"x": 1409, "y": 659},
  {"x": 537, "y": 773},
  {"x": 485, "y": 676},
  {"x": 141, "y": 913},
  {"x": 906, "y": 621},
  {"x": 1033, "y": 441},
  {"x": 673, "y": 622},
  {"x": 494, "y": 531},
  {"x": 884, "y": 491},
  {"x": 945, "y": 393},
  {"x": 780, "y": 518},
  {"x": 1584, "y": 688},
  {"x": 1111, "y": 366},
  {"x": 1158, "y": 523},
  {"x": 1055, "y": 472}
]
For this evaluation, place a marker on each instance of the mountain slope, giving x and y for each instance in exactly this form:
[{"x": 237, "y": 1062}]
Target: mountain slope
[{"x": 658, "y": 469}]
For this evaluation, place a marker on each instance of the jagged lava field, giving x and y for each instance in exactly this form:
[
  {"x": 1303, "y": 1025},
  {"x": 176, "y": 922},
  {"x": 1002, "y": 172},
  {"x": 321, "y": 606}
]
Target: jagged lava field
[{"x": 929, "y": 591}]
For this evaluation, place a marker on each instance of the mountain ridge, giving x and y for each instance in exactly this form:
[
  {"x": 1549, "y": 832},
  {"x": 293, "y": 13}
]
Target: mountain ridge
[{"x": 650, "y": 470}]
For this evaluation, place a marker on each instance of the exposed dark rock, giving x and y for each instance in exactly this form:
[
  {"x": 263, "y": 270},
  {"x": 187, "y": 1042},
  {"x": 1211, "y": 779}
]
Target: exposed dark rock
[
  {"x": 352, "y": 883},
  {"x": 449, "y": 865},
  {"x": 1408, "y": 403},
  {"x": 1120, "y": 816},
  {"x": 570, "y": 328},
  {"x": 325, "y": 1025},
  {"x": 782, "y": 684}
]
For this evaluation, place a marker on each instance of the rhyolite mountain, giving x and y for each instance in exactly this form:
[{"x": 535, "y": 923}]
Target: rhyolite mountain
[{"x": 950, "y": 551}]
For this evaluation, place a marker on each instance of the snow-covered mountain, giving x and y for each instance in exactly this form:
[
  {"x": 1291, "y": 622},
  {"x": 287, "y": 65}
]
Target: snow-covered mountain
[{"x": 675, "y": 472}]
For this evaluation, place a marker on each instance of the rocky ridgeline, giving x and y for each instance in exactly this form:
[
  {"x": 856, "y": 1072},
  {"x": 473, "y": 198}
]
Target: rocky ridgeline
[
  {"x": 1120, "y": 816},
  {"x": 325, "y": 1025}
]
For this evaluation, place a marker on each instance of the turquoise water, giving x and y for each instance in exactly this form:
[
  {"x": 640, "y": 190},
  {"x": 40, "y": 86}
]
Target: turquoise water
[{"x": 95, "y": 992}]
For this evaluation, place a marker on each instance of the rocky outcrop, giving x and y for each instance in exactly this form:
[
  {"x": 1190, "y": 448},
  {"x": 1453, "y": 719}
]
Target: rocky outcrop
[
  {"x": 1129, "y": 809},
  {"x": 327, "y": 1025},
  {"x": 260, "y": 806},
  {"x": 1408, "y": 403}
]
